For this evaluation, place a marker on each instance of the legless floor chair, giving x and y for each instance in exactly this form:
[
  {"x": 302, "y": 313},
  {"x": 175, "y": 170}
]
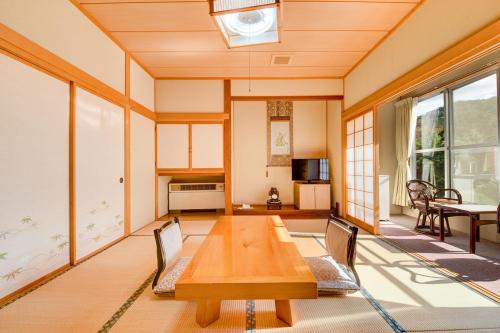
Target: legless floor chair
[
  {"x": 335, "y": 272},
  {"x": 170, "y": 263}
]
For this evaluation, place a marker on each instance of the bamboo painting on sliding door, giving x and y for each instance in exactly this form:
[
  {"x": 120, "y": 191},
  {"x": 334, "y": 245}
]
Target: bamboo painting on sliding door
[{"x": 359, "y": 171}]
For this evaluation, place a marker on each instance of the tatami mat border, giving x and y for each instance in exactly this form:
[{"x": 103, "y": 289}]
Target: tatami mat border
[{"x": 116, "y": 316}]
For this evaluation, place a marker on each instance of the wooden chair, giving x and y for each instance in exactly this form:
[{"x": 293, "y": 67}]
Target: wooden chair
[
  {"x": 335, "y": 272},
  {"x": 168, "y": 252},
  {"x": 480, "y": 223},
  {"x": 423, "y": 195}
]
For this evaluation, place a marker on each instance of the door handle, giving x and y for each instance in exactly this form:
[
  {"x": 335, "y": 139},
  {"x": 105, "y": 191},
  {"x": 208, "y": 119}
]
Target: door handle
[{"x": 121, "y": 180}]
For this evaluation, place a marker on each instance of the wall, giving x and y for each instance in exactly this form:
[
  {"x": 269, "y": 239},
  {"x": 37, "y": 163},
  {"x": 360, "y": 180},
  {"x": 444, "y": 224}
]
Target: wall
[
  {"x": 387, "y": 147},
  {"x": 60, "y": 27},
  {"x": 34, "y": 191},
  {"x": 163, "y": 195},
  {"x": 142, "y": 86},
  {"x": 250, "y": 183},
  {"x": 435, "y": 26},
  {"x": 287, "y": 87},
  {"x": 334, "y": 149},
  {"x": 189, "y": 96},
  {"x": 142, "y": 166}
]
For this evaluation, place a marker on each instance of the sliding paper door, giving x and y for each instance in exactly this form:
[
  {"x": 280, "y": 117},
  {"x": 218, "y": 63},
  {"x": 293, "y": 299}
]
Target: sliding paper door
[
  {"x": 34, "y": 180},
  {"x": 99, "y": 172},
  {"x": 360, "y": 182},
  {"x": 142, "y": 171}
]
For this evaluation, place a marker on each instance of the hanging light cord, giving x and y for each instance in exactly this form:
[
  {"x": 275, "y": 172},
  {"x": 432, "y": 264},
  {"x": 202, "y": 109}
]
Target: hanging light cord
[{"x": 249, "y": 55}]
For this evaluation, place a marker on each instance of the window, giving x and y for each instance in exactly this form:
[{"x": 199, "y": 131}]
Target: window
[
  {"x": 476, "y": 161},
  {"x": 430, "y": 140},
  {"x": 457, "y": 139}
]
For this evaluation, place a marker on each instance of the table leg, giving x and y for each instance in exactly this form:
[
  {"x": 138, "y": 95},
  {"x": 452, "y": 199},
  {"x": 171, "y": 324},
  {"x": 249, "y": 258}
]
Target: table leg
[
  {"x": 207, "y": 311},
  {"x": 472, "y": 240},
  {"x": 441, "y": 225},
  {"x": 284, "y": 311}
]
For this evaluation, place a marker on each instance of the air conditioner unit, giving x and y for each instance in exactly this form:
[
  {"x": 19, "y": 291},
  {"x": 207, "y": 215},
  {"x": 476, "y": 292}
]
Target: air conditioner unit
[{"x": 186, "y": 196}]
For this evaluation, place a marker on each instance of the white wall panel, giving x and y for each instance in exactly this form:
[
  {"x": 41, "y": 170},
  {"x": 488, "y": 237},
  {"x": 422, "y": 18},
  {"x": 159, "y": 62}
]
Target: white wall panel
[
  {"x": 287, "y": 87},
  {"x": 173, "y": 146},
  {"x": 189, "y": 96},
  {"x": 99, "y": 163},
  {"x": 435, "y": 26},
  {"x": 309, "y": 129},
  {"x": 334, "y": 149},
  {"x": 163, "y": 182},
  {"x": 34, "y": 199},
  {"x": 142, "y": 86},
  {"x": 142, "y": 170},
  {"x": 207, "y": 146},
  {"x": 60, "y": 27}
]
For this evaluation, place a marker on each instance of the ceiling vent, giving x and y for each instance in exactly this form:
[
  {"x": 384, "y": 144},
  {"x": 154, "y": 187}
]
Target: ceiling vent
[{"x": 281, "y": 60}]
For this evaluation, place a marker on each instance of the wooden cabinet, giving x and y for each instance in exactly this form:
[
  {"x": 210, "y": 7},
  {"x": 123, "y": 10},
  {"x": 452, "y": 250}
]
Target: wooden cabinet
[
  {"x": 312, "y": 196},
  {"x": 191, "y": 148}
]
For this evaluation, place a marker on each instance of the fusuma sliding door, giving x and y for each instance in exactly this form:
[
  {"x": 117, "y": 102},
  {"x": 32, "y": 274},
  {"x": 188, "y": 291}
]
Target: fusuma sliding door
[
  {"x": 34, "y": 185},
  {"x": 99, "y": 172},
  {"x": 359, "y": 171}
]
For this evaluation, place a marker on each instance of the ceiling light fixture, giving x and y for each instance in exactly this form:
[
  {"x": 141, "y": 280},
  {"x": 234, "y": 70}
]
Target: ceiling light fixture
[{"x": 247, "y": 22}]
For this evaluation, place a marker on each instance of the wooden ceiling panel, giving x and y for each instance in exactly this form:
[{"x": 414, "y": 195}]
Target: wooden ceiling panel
[
  {"x": 379, "y": 1},
  {"x": 178, "y": 38},
  {"x": 343, "y": 41},
  {"x": 241, "y": 59},
  {"x": 242, "y": 72},
  {"x": 143, "y": 1},
  {"x": 171, "y": 41},
  {"x": 343, "y": 15},
  {"x": 166, "y": 16}
]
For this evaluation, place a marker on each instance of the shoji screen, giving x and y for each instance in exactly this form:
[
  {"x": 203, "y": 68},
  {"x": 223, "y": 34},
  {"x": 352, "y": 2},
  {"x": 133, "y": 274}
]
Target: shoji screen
[
  {"x": 360, "y": 165},
  {"x": 34, "y": 185},
  {"x": 99, "y": 164},
  {"x": 142, "y": 170}
]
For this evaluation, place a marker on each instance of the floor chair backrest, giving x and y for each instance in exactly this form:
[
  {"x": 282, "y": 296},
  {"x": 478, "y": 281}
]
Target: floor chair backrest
[
  {"x": 340, "y": 241},
  {"x": 168, "y": 246}
]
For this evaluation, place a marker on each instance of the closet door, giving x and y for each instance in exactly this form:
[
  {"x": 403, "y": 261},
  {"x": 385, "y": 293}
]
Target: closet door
[
  {"x": 34, "y": 180},
  {"x": 207, "y": 146},
  {"x": 99, "y": 168},
  {"x": 173, "y": 146}
]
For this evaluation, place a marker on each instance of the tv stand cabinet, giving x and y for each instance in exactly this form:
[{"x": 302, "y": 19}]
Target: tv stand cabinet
[{"x": 311, "y": 196}]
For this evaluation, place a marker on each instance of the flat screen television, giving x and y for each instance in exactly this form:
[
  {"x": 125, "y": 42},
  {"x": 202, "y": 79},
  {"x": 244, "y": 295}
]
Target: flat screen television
[{"x": 312, "y": 169}]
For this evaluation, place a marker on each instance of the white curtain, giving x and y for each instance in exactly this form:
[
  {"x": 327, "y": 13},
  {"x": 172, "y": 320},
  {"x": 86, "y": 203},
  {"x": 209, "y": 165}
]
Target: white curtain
[{"x": 405, "y": 133}]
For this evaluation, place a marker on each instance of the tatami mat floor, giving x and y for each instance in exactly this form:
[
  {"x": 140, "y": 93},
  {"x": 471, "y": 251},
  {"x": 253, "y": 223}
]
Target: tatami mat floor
[{"x": 111, "y": 292}]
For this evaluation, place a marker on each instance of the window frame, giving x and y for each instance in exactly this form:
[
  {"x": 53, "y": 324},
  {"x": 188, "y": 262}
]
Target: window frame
[
  {"x": 445, "y": 148},
  {"x": 449, "y": 146}
]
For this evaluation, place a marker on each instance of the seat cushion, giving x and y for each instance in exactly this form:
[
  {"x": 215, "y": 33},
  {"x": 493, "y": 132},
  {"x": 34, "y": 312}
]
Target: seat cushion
[
  {"x": 333, "y": 278},
  {"x": 166, "y": 286}
]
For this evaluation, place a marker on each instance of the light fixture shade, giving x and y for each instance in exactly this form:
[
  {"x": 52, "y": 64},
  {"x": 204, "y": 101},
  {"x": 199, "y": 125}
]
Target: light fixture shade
[
  {"x": 218, "y": 7},
  {"x": 247, "y": 22}
]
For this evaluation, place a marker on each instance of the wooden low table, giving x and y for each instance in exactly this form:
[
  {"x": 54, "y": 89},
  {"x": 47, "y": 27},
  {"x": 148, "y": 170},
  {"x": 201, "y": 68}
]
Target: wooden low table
[
  {"x": 246, "y": 258},
  {"x": 474, "y": 211}
]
